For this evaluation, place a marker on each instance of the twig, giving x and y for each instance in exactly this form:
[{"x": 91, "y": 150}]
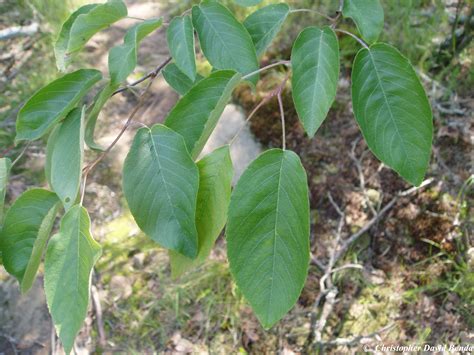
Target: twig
[
  {"x": 143, "y": 78},
  {"x": 98, "y": 316},
  {"x": 361, "y": 339},
  {"x": 377, "y": 217},
  {"x": 18, "y": 31},
  {"x": 281, "y": 62},
  {"x": 353, "y": 36}
]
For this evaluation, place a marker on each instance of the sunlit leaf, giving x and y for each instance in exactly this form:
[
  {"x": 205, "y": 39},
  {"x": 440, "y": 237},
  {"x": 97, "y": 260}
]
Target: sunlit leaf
[
  {"x": 160, "y": 183},
  {"x": 392, "y": 110},
  {"x": 64, "y": 157},
  {"x": 180, "y": 36},
  {"x": 367, "y": 15},
  {"x": 52, "y": 103},
  {"x": 70, "y": 257},
  {"x": 268, "y": 234},
  {"x": 224, "y": 41},
  {"x": 178, "y": 80},
  {"x": 28, "y": 224},
  {"x": 265, "y": 23},
  {"x": 196, "y": 114},
  {"x": 5, "y": 165},
  {"x": 315, "y": 64},
  {"x": 82, "y": 25},
  {"x": 215, "y": 178},
  {"x": 123, "y": 58}
]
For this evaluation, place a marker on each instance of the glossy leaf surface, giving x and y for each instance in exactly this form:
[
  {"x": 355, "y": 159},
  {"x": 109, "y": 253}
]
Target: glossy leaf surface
[
  {"x": 268, "y": 234},
  {"x": 315, "y": 63},
  {"x": 160, "y": 183},
  {"x": 23, "y": 238},
  {"x": 392, "y": 110},
  {"x": 70, "y": 257},
  {"x": 196, "y": 114},
  {"x": 64, "y": 157},
  {"x": 180, "y": 37},
  {"x": 53, "y": 102},
  {"x": 368, "y": 16},
  {"x": 264, "y": 24},
  {"x": 215, "y": 178},
  {"x": 224, "y": 41}
]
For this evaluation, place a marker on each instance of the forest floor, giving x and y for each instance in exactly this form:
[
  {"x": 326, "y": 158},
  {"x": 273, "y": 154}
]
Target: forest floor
[{"x": 408, "y": 280}]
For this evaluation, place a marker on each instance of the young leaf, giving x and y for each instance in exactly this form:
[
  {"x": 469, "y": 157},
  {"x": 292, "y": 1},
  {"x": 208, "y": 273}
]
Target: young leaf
[
  {"x": 70, "y": 257},
  {"x": 196, "y": 114},
  {"x": 264, "y": 24},
  {"x": 215, "y": 178},
  {"x": 160, "y": 183},
  {"x": 82, "y": 25},
  {"x": 100, "y": 100},
  {"x": 52, "y": 103},
  {"x": 392, "y": 110},
  {"x": 178, "y": 80},
  {"x": 224, "y": 40},
  {"x": 268, "y": 234},
  {"x": 123, "y": 58},
  {"x": 28, "y": 224},
  {"x": 60, "y": 47},
  {"x": 180, "y": 37},
  {"x": 5, "y": 166},
  {"x": 315, "y": 63},
  {"x": 367, "y": 15},
  {"x": 64, "y": 157},
  {"x": 248, "y": 3}
]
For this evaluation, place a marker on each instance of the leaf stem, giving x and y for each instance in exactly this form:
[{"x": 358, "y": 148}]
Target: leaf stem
[
  {"x": 314, "y": 12},
  {"x": 353, "y": 36},
  {"x": 21, "y": 154},
  {"x": 281, "y": 62}
]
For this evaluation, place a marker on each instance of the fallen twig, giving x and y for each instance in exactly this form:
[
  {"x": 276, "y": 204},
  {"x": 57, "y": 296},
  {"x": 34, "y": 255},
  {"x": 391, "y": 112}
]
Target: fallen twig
[{"x": 19, "y": 31}]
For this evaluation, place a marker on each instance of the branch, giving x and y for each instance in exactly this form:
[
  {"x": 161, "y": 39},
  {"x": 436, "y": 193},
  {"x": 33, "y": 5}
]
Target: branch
[
  {"x": 19, "y": 31},
  {"x": 361, "y": 339}
]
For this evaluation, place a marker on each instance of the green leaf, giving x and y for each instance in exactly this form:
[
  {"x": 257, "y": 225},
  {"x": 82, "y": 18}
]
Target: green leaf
[
  {"x": 123, "y": 58},
  {"x": 392, "y": 110},
  {"x": 264, "y": 24},
  {"x": 178, "y": 80},
  {"x": 315, "y": 63},
  {"x": 64, "y": 157},
  {"x": 215, "y": 179},
  {"x": 224, "y": 41},
  {"x": 160, "y": 183},
  {"x": 367, "y": 15},
  {"x": 99, "y": 102},
  {"x": 70, "y": 257},
  {"x": 82, "y": 25},
  {"x": 268, "y": 234},
  {"x": 196, "y": 114},
  {"x": 52, "y": 103},
  {"x": 60, "y": 47},
  {"x": 28, "y": 224},
  {"x": 247, "y": 3},
  {"x": 180, "y": 37},
  {"x": 5, "y": 166}
]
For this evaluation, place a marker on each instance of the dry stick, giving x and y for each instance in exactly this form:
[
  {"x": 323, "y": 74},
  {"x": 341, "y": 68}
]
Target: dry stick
[
  {"x": 98, "y": 316},
  {"x": 358, "y": 339}
]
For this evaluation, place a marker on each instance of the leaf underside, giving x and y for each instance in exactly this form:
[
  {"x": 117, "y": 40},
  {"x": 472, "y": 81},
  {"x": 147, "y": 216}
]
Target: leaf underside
[
  {"x": 215, "y": 179},
  {"x": 70, "y": 257},
  {"x": 28, "y": 224},
  {"x": 392, "y": 110},
  {"x": 268, "y": 234},
  {"x": 160, "y": 183}
]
